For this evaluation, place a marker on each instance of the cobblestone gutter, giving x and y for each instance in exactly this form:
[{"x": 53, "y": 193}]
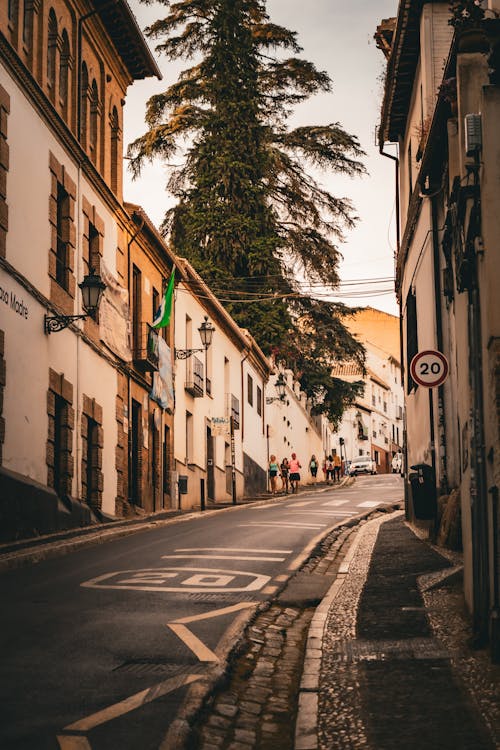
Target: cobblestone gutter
[{"x": 254, "y": 703}]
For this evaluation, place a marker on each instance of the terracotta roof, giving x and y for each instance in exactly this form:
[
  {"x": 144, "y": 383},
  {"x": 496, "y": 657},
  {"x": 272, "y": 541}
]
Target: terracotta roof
[{"x": 124, "y": 31}]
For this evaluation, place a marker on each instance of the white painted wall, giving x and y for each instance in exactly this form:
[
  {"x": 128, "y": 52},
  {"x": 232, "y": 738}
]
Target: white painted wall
[{"x": 29, "y": 352}]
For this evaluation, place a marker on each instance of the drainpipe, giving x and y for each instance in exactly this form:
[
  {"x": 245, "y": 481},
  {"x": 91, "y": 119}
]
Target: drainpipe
[
  {"x": 443, "y": 478},
  {"x": 395, "y": 159}
]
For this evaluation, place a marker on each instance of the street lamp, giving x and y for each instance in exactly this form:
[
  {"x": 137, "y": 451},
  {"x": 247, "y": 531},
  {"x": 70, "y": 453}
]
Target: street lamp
[
  {"x": 280, "y": 386},
  {"x": 92, "y": 288},
  {"x": 206, "y": 331}
]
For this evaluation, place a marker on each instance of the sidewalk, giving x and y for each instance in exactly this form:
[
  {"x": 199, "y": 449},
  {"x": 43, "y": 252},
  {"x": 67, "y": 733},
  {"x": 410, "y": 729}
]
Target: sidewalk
[{"x": 387, "y": 662}]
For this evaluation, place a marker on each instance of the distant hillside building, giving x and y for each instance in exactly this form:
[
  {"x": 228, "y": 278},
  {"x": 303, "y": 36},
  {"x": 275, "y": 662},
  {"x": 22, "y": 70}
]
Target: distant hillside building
[{"x": 374, "y": 425}]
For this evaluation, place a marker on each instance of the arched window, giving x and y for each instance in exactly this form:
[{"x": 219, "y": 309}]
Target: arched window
[
  {"x": 64, "y": 72},
  {"x": 115, "y": 148},
  {"x": 84, "y": 88},
  {"x": 51, "y": 53},
  {"x": 94, "y": 120},
  {"x": 28, "y": 23}
]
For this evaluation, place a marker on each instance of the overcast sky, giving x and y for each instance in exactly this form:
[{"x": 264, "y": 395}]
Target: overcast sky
[{"x": 336, "y": 37}]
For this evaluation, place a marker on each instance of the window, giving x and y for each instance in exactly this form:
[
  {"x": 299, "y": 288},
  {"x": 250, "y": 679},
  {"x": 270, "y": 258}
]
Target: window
[
  {"x": 94, "y": 258},
  {"x": 64, "y": 72},
  {"x": 235, "y": 412},
  {"x": 28, "y": 23},
  {"x": 90, "y": 458},
  {"x": 410, "y": 173},
  {"x": 61, "y": 417},
  {"x": 62, "y": 232},
  {"x": 411, "y": 337},
  {"x": 259, "y": 401},
  {"x": 92, "y": 449},
  {"x": 136, "y": 454},
  {"x": 250, "y": 389},
  {"x": 136, "y": 308},
  {"x": 84, "y": 87},
  {"x": 59, "y": 422},
  {"x": 51, "y": 53},
  {"x": 94, "y": 120},
  {"x": 156, "y": 303},
  {"x": 115, "y": 143}
]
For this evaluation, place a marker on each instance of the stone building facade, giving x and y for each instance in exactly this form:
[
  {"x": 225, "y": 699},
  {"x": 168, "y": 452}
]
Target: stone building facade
[{"x": 442, "y": 107}]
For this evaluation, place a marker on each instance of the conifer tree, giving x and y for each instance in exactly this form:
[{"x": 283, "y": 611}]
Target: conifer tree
[{"x": 249, "y": 216}]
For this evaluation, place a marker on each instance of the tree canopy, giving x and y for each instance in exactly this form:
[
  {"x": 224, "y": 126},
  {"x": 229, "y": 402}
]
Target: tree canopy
[{"x": 253, "y": 221}]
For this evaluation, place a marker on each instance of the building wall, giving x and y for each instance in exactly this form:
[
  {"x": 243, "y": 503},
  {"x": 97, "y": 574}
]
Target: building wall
[{"x": 61, "y": 436}]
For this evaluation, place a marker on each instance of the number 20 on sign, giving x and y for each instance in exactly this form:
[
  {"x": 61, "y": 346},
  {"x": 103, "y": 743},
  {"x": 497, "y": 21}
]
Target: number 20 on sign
[{"x": 429, "y": 368}]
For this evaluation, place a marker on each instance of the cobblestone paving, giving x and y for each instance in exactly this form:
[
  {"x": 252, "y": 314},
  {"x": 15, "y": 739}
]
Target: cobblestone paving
[
  {"x": 394, "y": 687},
  {"x": 257, "y": 704}
]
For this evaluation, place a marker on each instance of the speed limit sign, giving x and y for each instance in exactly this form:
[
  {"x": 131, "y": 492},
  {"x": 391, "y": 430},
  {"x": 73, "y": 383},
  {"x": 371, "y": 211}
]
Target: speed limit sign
[{"x": 429, "y": 368}]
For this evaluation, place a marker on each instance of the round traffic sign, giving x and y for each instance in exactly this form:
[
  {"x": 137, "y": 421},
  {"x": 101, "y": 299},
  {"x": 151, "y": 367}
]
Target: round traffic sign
[{"x": 429, "y": 368}]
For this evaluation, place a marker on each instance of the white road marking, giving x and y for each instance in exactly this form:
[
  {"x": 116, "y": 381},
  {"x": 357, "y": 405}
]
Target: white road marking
[
  {"x": 233, "y": 549},
  {"x": 289, "y": 525},
  {"x": 317, "y": 512},
  {"x": 304, "y": 502},
  {"x": 205, "y": 579},
  {"x": 199, "y": 649},
  {"x": 220, "y": 557},
  {"x": 335, "y": 502},
  {"x": 131, "y": 703},
  {"x": 202, "y": 652},
  {"x": 369, "y": 504}
]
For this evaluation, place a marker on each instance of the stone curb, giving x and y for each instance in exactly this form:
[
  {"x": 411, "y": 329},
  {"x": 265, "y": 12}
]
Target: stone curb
[{"x": 307, "y": 715}]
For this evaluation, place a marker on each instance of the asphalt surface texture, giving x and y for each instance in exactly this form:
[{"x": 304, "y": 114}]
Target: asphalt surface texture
[{"x": 366, "y": 645}]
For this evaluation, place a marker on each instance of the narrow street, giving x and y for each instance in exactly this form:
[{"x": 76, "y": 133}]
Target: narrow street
[{"x": 98, "y": 647}]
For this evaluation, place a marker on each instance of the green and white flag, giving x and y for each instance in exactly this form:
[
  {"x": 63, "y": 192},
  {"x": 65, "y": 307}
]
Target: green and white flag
[{"x": 162, "y": 317}]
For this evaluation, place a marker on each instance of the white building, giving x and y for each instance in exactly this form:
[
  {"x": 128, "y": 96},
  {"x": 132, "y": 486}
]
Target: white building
[
  {"x": 60, "y": 217},
  {"x": 219, "y": 424}
]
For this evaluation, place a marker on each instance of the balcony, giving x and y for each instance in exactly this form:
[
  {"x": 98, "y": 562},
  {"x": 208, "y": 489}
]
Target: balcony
[
  {"x": 399, "y": 412},
  {"x": 146, "y": 348},
  {"x": 194, "y": 378}
]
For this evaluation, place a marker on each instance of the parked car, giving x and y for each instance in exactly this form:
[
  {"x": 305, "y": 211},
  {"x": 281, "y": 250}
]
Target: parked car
[
  {"x": 397, "y": 463},
  {"x": 362, "y": 465}
]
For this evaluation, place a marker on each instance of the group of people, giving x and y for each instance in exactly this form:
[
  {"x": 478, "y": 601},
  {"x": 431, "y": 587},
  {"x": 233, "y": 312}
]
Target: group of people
[{"x": 289, "y": 472}]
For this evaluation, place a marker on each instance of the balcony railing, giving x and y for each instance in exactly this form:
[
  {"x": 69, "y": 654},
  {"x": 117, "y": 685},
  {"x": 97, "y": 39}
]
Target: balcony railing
[
  {"x": 146, "y": 348},
  {"x": 194, "y": 378}
]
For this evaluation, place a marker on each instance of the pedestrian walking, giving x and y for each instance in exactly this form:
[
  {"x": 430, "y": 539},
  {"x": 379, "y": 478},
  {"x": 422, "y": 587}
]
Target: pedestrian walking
[
  {"x": 285, "y": 470},
  {"x": 273, "y": 474},
  {"x": 313, "y": 467},
  {"x": 329, "y": 469},
  {"x": 295, "y": 467},
  {"x": 337, "y": 466}
]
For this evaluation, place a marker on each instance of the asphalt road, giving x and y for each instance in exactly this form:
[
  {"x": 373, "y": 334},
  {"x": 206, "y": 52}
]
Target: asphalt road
[{"x": 99, "y": 647}]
